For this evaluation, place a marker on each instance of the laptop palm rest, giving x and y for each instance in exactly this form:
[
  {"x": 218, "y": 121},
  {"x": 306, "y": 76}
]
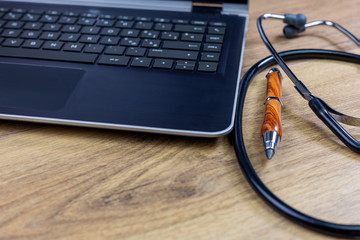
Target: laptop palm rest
[{"x": 36, "y": 87}]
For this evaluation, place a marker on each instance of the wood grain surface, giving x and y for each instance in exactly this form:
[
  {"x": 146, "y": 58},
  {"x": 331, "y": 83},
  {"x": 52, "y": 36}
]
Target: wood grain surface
[{"x": 61, "y": 182}]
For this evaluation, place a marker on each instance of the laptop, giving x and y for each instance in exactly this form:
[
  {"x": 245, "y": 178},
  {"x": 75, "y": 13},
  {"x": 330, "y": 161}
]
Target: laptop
[{"x": 162, "y": 66}]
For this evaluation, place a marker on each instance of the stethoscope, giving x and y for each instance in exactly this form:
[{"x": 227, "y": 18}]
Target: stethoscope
[{"x": 331, "y": 117}]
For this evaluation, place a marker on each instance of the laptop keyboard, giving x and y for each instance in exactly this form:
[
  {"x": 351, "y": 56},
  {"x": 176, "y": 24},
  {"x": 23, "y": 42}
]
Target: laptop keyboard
[{"x": 124, "y": 41}]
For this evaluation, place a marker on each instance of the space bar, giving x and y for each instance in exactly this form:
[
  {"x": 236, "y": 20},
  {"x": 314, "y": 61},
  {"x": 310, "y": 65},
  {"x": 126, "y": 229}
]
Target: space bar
[{"x": 48, "y": 55}]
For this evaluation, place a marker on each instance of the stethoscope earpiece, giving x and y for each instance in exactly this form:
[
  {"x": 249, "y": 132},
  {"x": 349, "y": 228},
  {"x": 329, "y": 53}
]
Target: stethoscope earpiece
[
  {"x": 298, "y": 20},
  {"x": 295, "y": 24},
  {"x": 291, "y": 31}
]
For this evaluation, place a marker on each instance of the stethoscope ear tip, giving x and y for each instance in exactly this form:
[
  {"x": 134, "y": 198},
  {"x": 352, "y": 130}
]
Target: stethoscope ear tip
[
  {"x": 296, "y": 20},
  {"x": 290, "y": 31}
]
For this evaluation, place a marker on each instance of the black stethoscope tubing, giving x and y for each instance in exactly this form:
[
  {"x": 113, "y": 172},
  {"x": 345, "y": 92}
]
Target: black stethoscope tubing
[{"x": 335, "y": 229}]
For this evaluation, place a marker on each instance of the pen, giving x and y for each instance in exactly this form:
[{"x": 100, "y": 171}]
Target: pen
[{"x": 271, "y": 130}]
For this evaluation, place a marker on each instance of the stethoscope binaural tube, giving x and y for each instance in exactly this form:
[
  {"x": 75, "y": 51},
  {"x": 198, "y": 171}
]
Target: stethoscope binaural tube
[{"x": 340, "y": 230}]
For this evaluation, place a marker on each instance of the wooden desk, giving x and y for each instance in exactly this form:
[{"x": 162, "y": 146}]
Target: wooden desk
[{"x": 76, "y": 183}]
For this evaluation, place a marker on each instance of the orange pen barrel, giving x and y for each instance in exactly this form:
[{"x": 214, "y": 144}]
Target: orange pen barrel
[{"x": 272, "y": 116}]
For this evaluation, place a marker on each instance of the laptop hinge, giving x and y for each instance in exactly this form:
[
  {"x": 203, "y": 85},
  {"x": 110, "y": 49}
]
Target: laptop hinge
[{"x": 204, "y": 6}]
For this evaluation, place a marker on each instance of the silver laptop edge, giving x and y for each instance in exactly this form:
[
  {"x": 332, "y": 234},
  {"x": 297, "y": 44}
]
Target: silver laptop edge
[{"x": 184, "y": 6}]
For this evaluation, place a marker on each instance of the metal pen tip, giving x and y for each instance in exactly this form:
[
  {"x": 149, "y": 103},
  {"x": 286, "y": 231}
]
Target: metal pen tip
[{"x": 269, "y": 153}]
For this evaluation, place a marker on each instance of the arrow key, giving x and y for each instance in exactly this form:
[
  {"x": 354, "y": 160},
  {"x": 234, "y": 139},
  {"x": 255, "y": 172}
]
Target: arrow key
[
  {"x": 185, "y": 65},
  {"x": 207, "y": 67}
]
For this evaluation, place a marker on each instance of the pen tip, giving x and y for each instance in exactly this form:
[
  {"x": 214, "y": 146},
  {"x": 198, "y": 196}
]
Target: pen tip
[{"x": 269, "y": 153}]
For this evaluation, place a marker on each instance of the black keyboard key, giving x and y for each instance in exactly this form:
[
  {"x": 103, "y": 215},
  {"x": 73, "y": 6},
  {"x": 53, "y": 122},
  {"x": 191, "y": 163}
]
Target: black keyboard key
[
  {"x": 33, "y": 11},
  {"x": 181, "y": 45},
  {"x": 89, "y": 15},
  {"x": 192, "y": 37},
  {"x": 105, "y": 23},
  {"x": 18, "y": 10},
  {"x": 180, "y": 21},
  {"x": 141, "y": 62},
  {"x": 110, "y": 32},
  {"x": 216, "y": 30},
  {"x": 90, "y": 30},
  {"x": 33, "y": 26},
  {"x": 93, "y": 48},
  {"x": 124, "y": 24},
  {"x": 53, "y": 12},
  {"x": 11, "y": 33},
  {"x": 129, "y": 33},
  {"x": 110, "y": 40},
  {"x": 211, "y": 57},
  {"x": 212, "y": 47},
  {"x": 143, "y": 19},
  {"x": 14, "y": 24},
  {"x": 169, "y": 36},
  {"x": 30, "y": 34},
  {"x": 144, "y": 25},
  {"x": 217, "y": 24},
  {"x": 71, "y": 14},
  {"x": 86, "y": 21},
  {"x": 161, "y": 20},
  {"x": 214, "y": 38},
  {"x": 49, "y": 18},
  {"x": 202, "y": 23},
  {"x": 130, "y": 42},
  {"x": 174, "y": 54},
  {"x": 4, "y": 10},
  {"x": 150, "y": 43},
  {"x": 114, "y": 60},
  {"x": 89, "y": 39},
  {"x": 12, "y": 16},
  {"x": 106, "y": 16},
  {"x": 11, "y": 42},
  {"x": 163, "y": 26},
  {"x": 163, "y": 63},
  {"x": 67, "y": 20},
  {"x": 70, "y": 37},
  {"x": 52, "y": 45},
  {"x": 189, "y": 28},
  {"x": 71, "y": 29},
  {"x": 125, "y": 18},
  {"x": 149, "y": 34},
  {"x": 207, "y": 67},
  {"x": 52, "y": 27},
  {"x": 114, "y": 50},
  {"x": 73, "y": 47},
  {"x": 185, "y": 65},
  {"x": 30, "y": 17},
  {"x": 50, "y": 36},
  {"x": 136, "y": 52},
  {"x": 48, "y": 55},
  {"x": 36, "y": 44}
]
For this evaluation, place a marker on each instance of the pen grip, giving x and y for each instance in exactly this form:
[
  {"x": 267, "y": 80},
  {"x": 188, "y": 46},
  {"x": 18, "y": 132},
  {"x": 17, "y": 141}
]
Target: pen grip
[{"x": 272, "y": 115}]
